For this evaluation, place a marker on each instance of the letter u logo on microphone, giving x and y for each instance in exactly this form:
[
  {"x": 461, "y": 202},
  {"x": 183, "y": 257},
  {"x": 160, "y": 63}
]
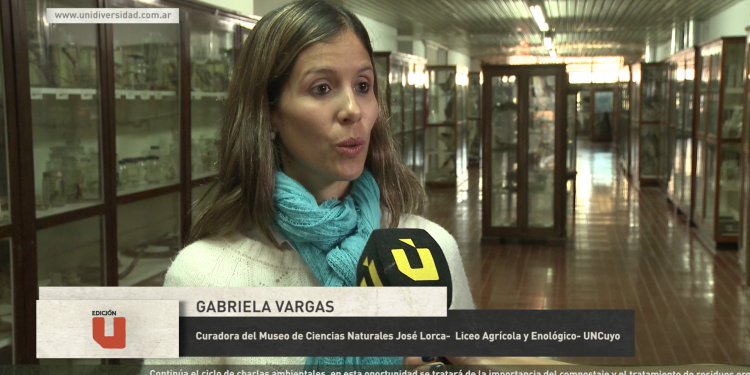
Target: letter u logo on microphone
[
  {"x": 428, "y": 272},
  {"x": 116, "y": 341}
]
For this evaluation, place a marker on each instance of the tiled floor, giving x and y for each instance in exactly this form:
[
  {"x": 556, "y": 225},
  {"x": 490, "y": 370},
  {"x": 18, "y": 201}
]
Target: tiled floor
[{"x": 628, "y": 250}]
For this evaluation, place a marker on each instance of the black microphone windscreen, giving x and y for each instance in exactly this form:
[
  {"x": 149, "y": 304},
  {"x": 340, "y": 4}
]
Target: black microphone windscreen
[{"x": 403, "y": 257}]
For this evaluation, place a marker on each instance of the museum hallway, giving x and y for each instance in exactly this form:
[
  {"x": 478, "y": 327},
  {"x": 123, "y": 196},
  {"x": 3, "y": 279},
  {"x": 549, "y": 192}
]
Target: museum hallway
[{"x": 627, "y": 249}]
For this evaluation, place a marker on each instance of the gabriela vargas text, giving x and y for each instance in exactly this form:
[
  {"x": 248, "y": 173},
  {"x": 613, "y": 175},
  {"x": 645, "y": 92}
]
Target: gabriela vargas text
[{"x": 264, "y": 306}]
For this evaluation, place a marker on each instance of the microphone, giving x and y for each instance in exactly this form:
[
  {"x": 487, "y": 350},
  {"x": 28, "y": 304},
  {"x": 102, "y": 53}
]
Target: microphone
[{"x": 403, "y": 257}]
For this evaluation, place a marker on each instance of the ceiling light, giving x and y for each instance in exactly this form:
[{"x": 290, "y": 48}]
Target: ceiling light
[
  {"x": 536, "y": 11},
  {"x": 548, "y": 43},
  {"x": 553, "y": 54}
]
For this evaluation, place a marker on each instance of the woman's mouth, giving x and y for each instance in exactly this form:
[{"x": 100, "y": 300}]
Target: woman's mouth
[{"x": 351, "y": 147}]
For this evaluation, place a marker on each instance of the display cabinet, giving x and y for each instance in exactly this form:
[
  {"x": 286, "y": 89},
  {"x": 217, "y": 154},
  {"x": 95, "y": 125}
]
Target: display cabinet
[
  {"x": 13, "y": 301},
  {"x": 108, "y": 132},
  {"x": 524, "y": 153},
  {"x": 570, "y": 157},
  {"x": 648, "y": 122},
  {"x": 570, "y": 131},
  {"x": 602, "y": 109},
  {"x": 717, "y": 194},
  {"x": 622, "y": 119},
  {"x": 446, "y": 127},
  {"x": 401, "y": 76},
  {"x": 584, "y": 110},
  {"x": 682, "y": 108},
  {"x": 474, "y": 118},
  {"x": 744, "y": 241}
]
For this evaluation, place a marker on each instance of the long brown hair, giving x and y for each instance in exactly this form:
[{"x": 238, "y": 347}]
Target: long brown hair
[{"x": 248, "y": 157}]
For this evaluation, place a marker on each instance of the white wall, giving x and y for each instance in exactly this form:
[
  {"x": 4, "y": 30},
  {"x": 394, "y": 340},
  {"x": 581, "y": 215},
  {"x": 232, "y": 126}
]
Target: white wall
[
  {"x": 475, "y": 66},
  {"x": 240, "y": 6},
  {"x": 663, "y": 51},
  {"x": 418, "y": 48},
  {"x": 382, "y": 36},
  {"x": 262, "y": 7},
  {"x": 730, "y": 22},
  {"x": 457, "y": 58}
]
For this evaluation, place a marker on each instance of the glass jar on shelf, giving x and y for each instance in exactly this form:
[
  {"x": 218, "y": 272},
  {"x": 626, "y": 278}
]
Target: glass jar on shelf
[
  {"x": 131, "y": 168},
  {"x": 207, "y": 155},
  {"x": 55, "y": 162},
  {"x": 121, "y": 68},
  {"x": 66, "y": 57},
  {"x": 153, "y": 170},
  {"x": 53, "y": 193},
  {"x": 142, "y": 168},
  {"x": 136, "y": 72},
  {"x": 91, "y": 185},
  {"x": 197, "y": 156},
  {"x": 132, "y": 173},
  {"x": 72, "y": 179},
  {"x": 152, "y": 54},
  {"x": 171, "y": 162}
]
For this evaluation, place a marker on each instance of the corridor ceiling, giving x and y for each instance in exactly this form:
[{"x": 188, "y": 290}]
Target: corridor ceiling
[{"x": 506, "y": 27}]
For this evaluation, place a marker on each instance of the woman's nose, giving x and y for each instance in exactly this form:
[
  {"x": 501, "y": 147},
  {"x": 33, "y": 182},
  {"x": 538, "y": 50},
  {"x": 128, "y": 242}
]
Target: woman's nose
[{"x": 350, "y": 112}]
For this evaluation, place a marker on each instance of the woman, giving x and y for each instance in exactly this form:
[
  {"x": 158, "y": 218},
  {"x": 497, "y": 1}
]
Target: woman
[{"x": 308, "y": 170}]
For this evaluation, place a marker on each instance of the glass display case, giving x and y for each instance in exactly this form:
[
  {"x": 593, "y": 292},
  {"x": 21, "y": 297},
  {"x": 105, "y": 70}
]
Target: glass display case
[
  {"x": 601, "y": 118},
  {"x": 66, "y": 119},
  {"x": 147, "y": 106},
  {"x": 402, "y": 79},
  {"x": 622, "y": 108},
  {"x": 148, "y": 239},
  {"x": 113, "y": 132},
  {"x": 474, "y": 118},
  {"x": 584, "y": 110},
  {"x": 717, "y": 194},
  {"x": 524, "y": 165},
  {"x": 648, "y": 122},
  {"x": 570, "y": 132},
  {"x": 682, "y": 106},
  {"x": 446, "y": 129},
  {"x": 744, "y": 240},
  {"x": 11, "y": 300},
  {"x": 211, "y": 62}
]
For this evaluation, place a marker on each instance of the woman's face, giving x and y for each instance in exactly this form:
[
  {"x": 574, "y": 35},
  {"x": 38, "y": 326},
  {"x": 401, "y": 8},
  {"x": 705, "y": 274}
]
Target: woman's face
[{"x": 325, "y": 114}]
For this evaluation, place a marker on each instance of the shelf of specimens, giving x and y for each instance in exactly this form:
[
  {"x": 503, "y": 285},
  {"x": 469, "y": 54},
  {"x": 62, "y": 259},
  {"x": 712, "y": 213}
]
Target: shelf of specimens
[
  {"x": 570, "y": 132},
  {"x": 653, "y": 101},
  {"x": 473, "y": 112},
  {"x": 442, "y": 97},
  {"x": 733, "y": 92},
  {"x": 440, "y": 143},
  {"x": 541, "y": 152},
  {"x": 67, "y": 136},
  {"x": 504, "y": 151},
  {"x": 66, "y": 102}
]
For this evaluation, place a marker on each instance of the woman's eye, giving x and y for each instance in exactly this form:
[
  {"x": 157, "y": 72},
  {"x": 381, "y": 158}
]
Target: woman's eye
[
  {"x": 321, "y": 89},
  {"x": 363, "y": 87}
]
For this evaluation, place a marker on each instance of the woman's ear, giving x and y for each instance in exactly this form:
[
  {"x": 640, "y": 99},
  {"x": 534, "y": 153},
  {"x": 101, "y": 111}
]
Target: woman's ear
[{"x": 274, "y": 124}]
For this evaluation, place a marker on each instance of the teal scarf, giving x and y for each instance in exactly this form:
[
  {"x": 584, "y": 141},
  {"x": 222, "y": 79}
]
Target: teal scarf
[{"x": 330, "y": 239}]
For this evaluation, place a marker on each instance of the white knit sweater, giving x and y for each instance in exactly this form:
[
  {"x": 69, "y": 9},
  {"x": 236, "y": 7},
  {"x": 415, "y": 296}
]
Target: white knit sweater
[{"x": 251, "y": 260}]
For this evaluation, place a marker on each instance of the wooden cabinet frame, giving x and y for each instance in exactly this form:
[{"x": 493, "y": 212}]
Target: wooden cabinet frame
[
  {"x": 25, "y": 225},
  {"x": 522, "y": 231}
]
